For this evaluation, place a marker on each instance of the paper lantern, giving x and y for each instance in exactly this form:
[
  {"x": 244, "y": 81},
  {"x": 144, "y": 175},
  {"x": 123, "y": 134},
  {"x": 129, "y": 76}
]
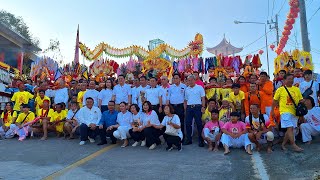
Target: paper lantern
[
  {"x": 272, "y": 46},
  {"x": 260, "y": 51},
  {"x": 291, "y": 21},
  {"x": 286, "y": 32},
  {"x": 294, "y": 15},
  {"x": 288, "y": 27}
]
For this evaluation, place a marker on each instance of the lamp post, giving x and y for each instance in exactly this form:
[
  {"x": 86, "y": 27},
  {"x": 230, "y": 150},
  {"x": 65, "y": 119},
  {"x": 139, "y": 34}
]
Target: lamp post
[{"x": 265, "y": 31}]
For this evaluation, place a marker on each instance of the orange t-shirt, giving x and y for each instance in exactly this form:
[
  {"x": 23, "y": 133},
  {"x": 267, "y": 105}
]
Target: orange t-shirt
[
  {"x": 267, "y": 88},
  {"x": 244, "y": 87},
  {"x": 258, "y": 98}
]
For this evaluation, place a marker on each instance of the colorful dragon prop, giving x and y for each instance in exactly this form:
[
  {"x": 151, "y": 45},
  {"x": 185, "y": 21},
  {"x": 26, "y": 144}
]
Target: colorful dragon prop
[
  {"x": 194, "y": 48},
  {"x": 295, "y": 59}
]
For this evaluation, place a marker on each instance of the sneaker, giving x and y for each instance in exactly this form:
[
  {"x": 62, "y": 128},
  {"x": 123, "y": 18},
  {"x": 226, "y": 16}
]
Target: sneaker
[
  {"x": 143, "y": 143},
  {"x": 135, "y": 144},
  {"x": 82, "y": 143},
  {"x": 169, "y": 148},
  {"x": 153, "y": 146},
  {"x": 91, "y": 140}
]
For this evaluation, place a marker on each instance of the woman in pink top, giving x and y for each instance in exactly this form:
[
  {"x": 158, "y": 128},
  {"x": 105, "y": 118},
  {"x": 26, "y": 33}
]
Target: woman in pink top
[
  {"x": 235, "y": 134},
  {"x": 212, "y": 131}
]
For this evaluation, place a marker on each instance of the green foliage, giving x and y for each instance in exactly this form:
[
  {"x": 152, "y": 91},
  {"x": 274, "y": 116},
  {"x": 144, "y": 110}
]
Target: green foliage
[{"x": 17, "y": 24}]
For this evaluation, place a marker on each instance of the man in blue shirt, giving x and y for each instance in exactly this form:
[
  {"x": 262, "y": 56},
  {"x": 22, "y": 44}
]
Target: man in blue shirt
[{"x": 108, "y": 119}]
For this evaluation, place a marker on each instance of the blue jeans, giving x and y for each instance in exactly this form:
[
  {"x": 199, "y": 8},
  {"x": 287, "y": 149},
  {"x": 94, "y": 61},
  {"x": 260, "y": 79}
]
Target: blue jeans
[{"x": 194, "y": 112}]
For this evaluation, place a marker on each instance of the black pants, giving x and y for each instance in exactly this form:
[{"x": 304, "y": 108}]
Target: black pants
[
  {"x": 156, "y": 109},
  {"x": 152, "y": 136},
  {"x": 137, "y": 136},
  {"x": 179, "y": 110},
  {"x": 85, "y": 131},
  {"x": 103, "y": 133},
  {"x": 172, "y": 140}
]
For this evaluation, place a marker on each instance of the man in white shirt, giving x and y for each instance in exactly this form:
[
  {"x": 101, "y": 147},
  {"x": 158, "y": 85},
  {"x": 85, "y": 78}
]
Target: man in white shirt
[
  {"x": 306, "y": 84},
  {"x": 164, "y": 88},
  {"x": 89, "y": 117},
  {"x": 176, "y": 98},
  {"x": 134, "y": 91},
  {"x": 91, "y": 92},
  {"x": 122, "y": 92},
  {"x": 154, "y": 96},
  {"x": 196, "y": 105},
  {"x": 142, "y": 90},
  {"x": 61, "y": 95}
]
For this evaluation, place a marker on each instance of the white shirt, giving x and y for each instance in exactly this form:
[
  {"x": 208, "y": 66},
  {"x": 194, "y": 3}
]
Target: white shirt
[
  {"x": 256, "y": 121},
  {"x": 124, "y": 119},
  {"x": 313, "y": 118},
  {"x": 164, "y": 93},
  {"x": 134, "y": 92},
  {"x": 297, "y": 80},
  {"x": 105, "y": 95},
  {"x": 61, "y": 95},
  {"x": 71, "y": 114},
  {"x": 152, "y": 117},
  {"x": 140, "y": 91},
  {"x": 49, "y": 93},
  {"x": 194, "y": 95},
  {"x": 174, "y": 119},
  {"x": 152, "y": 95},
  {"x": 315, "y": 88},
  {"x": 88, "y": 116},
  {"x": 93, "y": 94},
  {"x": 122, "y": 93},
  {"x": 177, "y": 93}
]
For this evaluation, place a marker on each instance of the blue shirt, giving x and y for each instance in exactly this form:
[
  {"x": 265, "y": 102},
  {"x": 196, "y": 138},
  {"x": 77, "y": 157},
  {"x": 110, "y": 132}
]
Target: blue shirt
[{"x": 108, "y": 119}]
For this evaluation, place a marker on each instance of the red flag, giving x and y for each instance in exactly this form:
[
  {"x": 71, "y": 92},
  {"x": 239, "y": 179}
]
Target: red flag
[
  {"x": 20, "y": 61},
  {"x": 76, "y": 52}
]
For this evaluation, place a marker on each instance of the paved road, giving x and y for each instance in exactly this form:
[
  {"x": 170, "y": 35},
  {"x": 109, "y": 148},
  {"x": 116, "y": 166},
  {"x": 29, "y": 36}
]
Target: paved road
[{"x": 63, "y": 159}]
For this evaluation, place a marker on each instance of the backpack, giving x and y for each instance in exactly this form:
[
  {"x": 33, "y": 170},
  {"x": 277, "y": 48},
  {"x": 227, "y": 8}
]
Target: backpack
[{"x": 261, "y": 120}]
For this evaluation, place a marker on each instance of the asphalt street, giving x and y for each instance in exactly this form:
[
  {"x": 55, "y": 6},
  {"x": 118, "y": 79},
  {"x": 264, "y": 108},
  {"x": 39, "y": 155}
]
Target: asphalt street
[{"x": 65, "y": 159}]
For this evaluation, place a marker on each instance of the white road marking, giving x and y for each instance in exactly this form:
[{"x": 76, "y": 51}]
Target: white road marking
[{"x": 259, "y": 166}]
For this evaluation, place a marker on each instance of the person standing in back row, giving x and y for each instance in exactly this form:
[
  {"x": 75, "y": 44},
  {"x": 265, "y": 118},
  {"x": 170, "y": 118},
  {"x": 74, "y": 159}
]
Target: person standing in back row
[
  {"x": 121, "y": 93},
  {"x": 195, "y": 106}
]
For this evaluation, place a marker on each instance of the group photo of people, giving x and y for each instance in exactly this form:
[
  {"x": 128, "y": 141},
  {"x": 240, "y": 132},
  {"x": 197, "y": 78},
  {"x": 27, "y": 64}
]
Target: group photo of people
[{"x": 251, "y": 112}]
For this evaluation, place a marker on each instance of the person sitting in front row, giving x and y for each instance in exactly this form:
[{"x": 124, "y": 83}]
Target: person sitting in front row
[
  {"x": 235, "y": 134},
  {"x": 89, "y": 118},
  {"x": 108, "y": 120},
  {"x": 124, "y": 120},
  {"x": 24, "y": 117},
  {"x": 72, "y": 121},
  {"x": 259, "y": 128},
  {"x": 134, "y": 132},
  {"x": 45, "y": 113},
  {"x": 212, "y": 131},
  {"x": 311, "y": 126},
  {"x": 171, "y": 121}
]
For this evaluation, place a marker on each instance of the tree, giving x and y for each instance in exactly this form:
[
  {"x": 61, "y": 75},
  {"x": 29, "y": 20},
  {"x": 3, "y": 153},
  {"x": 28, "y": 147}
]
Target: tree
[{"x": 17, "y": 23}]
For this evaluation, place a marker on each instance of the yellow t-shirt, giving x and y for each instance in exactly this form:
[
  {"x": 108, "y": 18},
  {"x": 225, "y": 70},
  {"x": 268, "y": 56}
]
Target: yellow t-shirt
[
  {"x": 20, "y": 98},
  {"x": 42, "y": 113},
  {"x": 285, "y": 103},
  {"x": 236, "y": 99},
  {"x": 206, "y": 116},
  {"x": 213, "y": 93},
  {"x": 22, "y": 115},
  {"x": 57, "y": 117},
  {"x": 224, "y": 115},
  {"x": 9, "y": 119},
  {"x": 225, "y": 92},
  {"x": 80, "y": 98},
  {"x": 39, "y": 102}
]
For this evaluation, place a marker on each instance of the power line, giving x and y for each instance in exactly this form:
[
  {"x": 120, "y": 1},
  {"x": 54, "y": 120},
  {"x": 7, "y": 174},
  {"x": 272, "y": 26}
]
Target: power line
[
  {"x": 257, "y": 39},
  {"x": 313, "y": 14},
  {"x": 284, "y": 2},
  {"x": 259, "y": 49}
]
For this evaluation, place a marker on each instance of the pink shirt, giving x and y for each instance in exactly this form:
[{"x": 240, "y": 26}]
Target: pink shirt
[
  {"x": 200, "y": 83},
  {"x": 212, "y": 125},
  {"x": 234, "y": 128}
]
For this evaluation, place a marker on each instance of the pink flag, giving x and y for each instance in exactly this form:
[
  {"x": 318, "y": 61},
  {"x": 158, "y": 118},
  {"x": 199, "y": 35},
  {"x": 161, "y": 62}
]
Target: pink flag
[{"x": 76, "y": 52}]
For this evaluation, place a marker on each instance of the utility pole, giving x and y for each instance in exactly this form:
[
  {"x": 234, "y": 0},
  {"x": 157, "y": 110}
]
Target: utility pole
[
  {"x": 276, "y": 27},
  {"x": 304, "y": 26}
]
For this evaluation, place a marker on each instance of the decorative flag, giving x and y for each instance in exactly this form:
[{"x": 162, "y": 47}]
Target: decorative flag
[
  {"x": 76, "y": 51},
  {"x": 85, "y": 72},
  {"x": 20, "y": 61},
  {"x": 58, "y": 74}
]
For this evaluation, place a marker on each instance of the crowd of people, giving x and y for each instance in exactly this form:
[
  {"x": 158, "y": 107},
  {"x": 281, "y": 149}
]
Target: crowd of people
[{"x": 247, "y": 112}]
